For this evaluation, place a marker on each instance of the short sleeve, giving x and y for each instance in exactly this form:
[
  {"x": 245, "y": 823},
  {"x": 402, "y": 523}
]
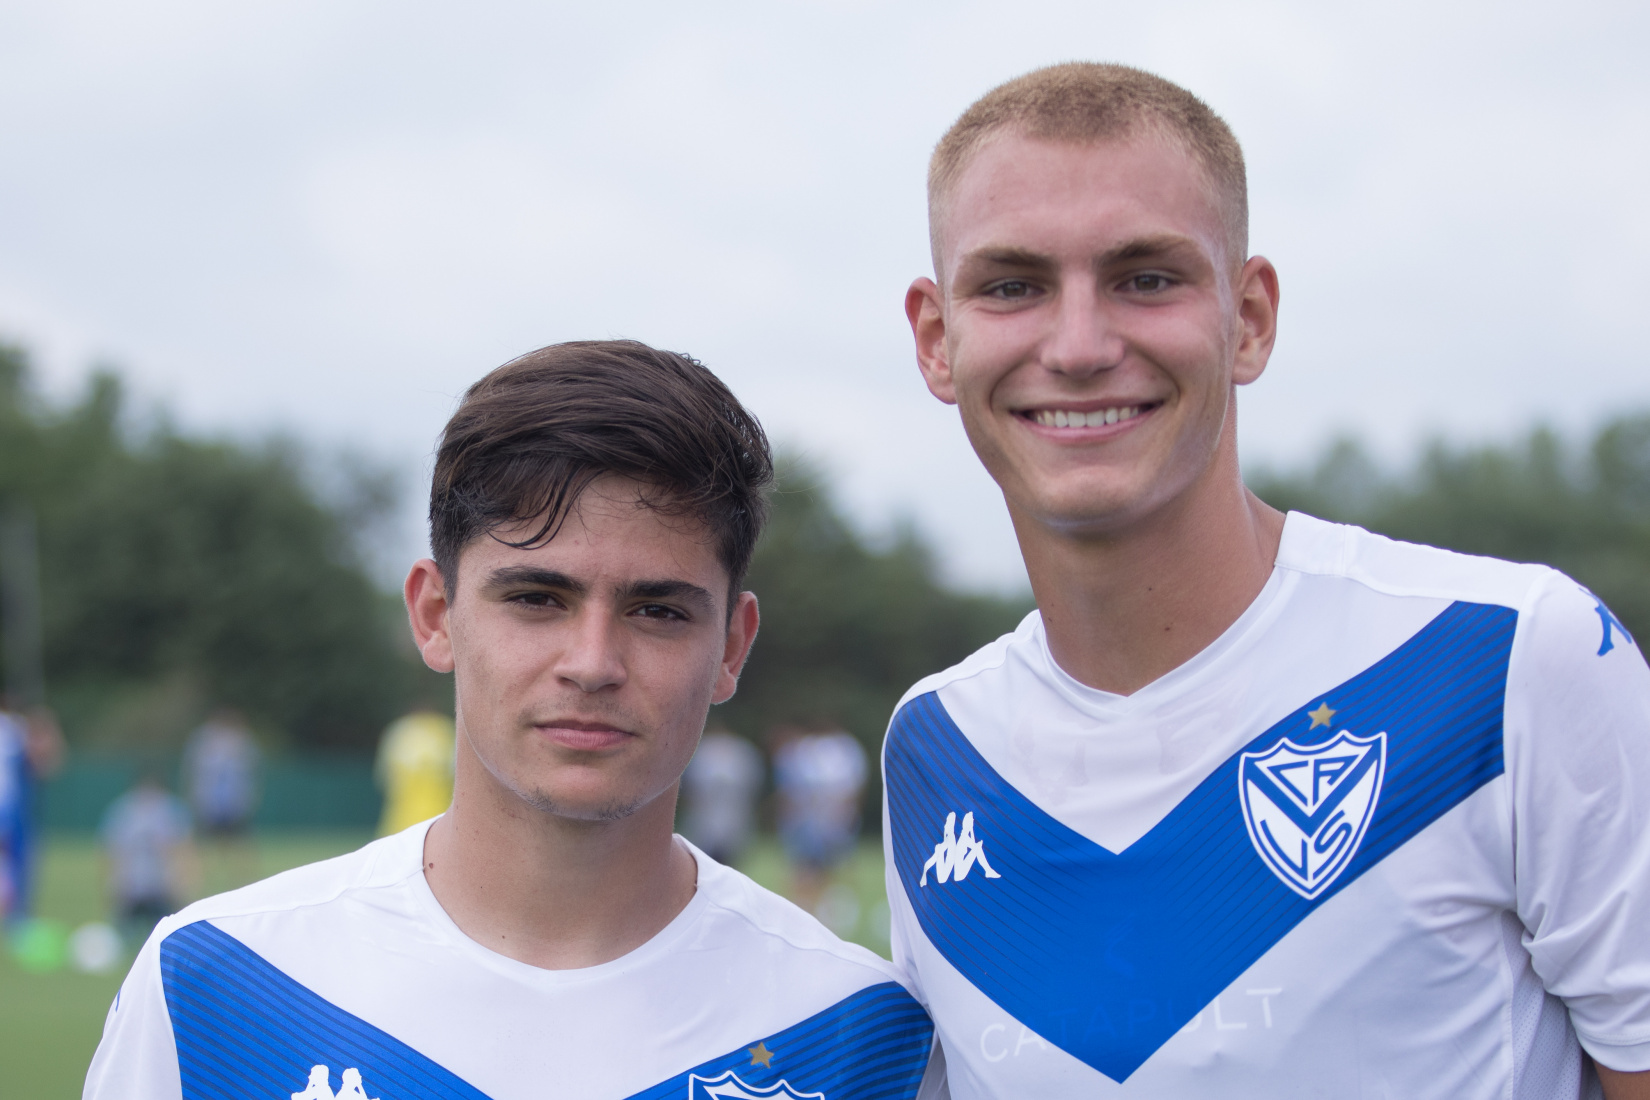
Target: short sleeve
[
  {"x": 137, "y": 1058},
  {"x": 1578, "y": 758}
]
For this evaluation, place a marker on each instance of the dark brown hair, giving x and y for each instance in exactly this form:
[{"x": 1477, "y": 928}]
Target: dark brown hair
[{"x": 530, "y": 437}]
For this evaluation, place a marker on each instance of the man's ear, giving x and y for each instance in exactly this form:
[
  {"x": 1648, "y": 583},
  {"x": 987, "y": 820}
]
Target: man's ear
[
  {"x": 925, "y": 310},
  {"x": 427, "y": 611},
  {"x": 741, "y": 633},
  {"x": 1257, "y": 317}
]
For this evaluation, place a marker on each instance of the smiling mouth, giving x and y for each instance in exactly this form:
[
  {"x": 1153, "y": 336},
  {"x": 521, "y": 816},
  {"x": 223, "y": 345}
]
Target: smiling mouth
[{"x": 1091, "y": 418}]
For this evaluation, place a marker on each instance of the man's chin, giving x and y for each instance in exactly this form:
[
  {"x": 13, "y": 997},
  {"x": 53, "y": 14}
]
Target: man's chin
[
  {"x": 591, "y": 807},
  {"x": 1086, "y": 511}
]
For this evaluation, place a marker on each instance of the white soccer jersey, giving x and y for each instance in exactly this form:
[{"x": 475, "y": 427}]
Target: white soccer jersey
[
  {"x": 347, "y": 980},
  {"x": 1388, "y": 836}
]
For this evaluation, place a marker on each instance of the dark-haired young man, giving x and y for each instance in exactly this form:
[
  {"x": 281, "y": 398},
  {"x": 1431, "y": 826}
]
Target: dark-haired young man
[
  {"x": 1253, "y": 806},
  {"x": 593, "y": 512}
]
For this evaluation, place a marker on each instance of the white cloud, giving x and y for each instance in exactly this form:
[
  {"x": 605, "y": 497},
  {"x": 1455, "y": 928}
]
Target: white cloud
[{"x": 334, "y": 217}]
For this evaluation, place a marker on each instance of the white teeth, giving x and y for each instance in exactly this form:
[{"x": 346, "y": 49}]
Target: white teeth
[{"x": 1061, "y": 418}]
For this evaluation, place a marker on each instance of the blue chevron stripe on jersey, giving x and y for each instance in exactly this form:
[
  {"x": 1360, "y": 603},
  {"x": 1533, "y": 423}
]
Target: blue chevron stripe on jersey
[
  {"x": 243, "y": 1028},
  {"x": 870, "y": 1046},
  {"x": 1107, "y": 954}
]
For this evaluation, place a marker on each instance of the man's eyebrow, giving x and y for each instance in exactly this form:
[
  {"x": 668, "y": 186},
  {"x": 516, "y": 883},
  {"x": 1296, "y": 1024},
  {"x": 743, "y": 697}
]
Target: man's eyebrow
[
  {"x": 1140, "y": 248},
  {"x": 1144, "y": 248},
  {"x": 1007, "y": 256},
  {"x": 681, "y": 591},
  {"x": 513, "y": 576}
]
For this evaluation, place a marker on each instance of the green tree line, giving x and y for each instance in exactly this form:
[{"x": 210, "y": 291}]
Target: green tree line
[
  {"x": 181, "y": 573},
  {"x": 848, "y": 626},
  {"x": 1583, "y": 508},
  {"x": 178, "y": 574}
]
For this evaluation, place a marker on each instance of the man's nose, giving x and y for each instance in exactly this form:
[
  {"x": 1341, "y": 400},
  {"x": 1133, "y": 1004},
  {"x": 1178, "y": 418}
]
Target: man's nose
[
  {"x": 1084, "y": 339},
  {"x": 592, "y": 659}
]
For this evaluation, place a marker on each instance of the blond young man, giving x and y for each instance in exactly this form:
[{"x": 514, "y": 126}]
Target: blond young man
[{"x": 1254, "y": 805}]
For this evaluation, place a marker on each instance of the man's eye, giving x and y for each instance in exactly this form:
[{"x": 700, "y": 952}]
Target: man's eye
[
  {"x": 1012, "y": 290},
  {"x": 535, "y": 599},
  {"x": 1149, "y": 284},
  {"x": 660, "y": 611}
]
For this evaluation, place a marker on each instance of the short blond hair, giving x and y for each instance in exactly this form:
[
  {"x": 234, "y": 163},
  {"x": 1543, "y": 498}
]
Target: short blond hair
[{"x": 1084, "y": 102}]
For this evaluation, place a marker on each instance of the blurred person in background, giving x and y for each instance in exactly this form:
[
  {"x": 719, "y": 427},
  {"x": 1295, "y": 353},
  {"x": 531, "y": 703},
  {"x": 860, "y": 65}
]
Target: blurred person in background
[
  {"x": 31, "y": 749},
  {"x": 220, "y": 768},
  {"x": 819, "y": 778},
  {"x": 150, "y": 855},
  {"x": 415, "y": 770},
  {"x": 14, "y": 815},
  {"x": 720, "y": 787}
]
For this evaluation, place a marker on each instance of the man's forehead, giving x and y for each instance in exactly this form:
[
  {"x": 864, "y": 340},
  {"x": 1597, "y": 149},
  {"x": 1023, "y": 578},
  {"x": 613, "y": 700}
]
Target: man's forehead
[
  {"x": 609, "y": 540},
  {"x": 1012, "y": 172},
  {"x": 681, "y": 543}
]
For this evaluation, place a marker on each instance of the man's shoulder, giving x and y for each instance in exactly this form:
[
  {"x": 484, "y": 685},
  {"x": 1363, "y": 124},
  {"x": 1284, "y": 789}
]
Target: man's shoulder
[
  {"x": 382, "y": 862},
  {"x": 982, "y": 662},
  {"x": 1561, "y": 625},
  {"x": 753, "y": 918},
  {"x": 1320, "y": 548}
]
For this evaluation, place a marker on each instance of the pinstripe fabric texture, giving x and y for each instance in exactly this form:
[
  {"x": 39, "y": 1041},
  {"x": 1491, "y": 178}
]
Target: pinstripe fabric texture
[{"x": 1108, "y": 954}]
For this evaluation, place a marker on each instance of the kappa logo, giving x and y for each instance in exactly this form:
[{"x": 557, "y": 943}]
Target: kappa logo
[
  {"x": 1307, "y": 808},
  {"x": 320, "y": 1086},
  {"x": 730, "y": 1087},
  {"x": 954, "y": 856},
  {"x": 1612, "y": 627}
]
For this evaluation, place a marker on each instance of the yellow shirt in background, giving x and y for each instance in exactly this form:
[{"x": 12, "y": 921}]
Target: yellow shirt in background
[{"x": 415, "y": 768}]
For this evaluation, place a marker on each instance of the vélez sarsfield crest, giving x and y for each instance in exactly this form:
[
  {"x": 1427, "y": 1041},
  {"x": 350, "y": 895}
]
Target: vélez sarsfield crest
[{"x": 1307, "y": 807}]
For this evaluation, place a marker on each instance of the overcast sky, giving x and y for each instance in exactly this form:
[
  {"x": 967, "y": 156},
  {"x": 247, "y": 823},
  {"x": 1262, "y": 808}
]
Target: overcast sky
[{"x": 330, "y": 217}]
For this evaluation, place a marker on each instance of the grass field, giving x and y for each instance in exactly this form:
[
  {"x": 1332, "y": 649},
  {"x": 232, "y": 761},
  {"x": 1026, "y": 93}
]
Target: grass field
[{"x": 50, "y": 1023}]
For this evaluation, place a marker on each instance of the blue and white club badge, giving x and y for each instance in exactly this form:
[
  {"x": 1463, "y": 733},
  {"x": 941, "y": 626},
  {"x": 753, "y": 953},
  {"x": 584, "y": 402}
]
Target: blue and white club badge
[
  {"x": 730, "y": 1087},
  {"x": 1307, "y": 809}
]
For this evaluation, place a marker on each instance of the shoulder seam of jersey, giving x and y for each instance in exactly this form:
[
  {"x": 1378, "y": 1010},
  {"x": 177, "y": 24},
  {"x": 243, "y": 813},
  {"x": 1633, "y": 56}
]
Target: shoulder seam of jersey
[
  {"x": 1433, "y": 592},
  {"x": 353, "y": 884},
  {"x": 1345, "y": 570},
  {"x": 890, "y": 974},
  {"x": 945, "y": 677}
]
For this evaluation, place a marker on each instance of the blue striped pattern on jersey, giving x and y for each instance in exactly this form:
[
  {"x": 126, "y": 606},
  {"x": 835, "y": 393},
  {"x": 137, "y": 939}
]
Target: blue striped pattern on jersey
[
  {"x": 870, "y": 1046},
  {"x": 1107, "y": 954},
  {"x": 244, "y": 1028}
]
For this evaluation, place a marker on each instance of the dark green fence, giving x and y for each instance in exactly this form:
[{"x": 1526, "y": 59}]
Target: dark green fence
[{"x": 299, "y": 792}]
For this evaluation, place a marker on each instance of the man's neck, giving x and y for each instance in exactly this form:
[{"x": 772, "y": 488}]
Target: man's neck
[
  {"x": 1124, "y": 609},
  {"x": 550, "y": 891}
]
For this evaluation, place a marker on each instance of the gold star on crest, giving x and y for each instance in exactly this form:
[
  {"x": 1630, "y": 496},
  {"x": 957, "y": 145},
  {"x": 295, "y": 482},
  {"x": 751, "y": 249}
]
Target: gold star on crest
[
  {"x": 761, "y": 1055},
  {"x": 1321, "y": 716}
]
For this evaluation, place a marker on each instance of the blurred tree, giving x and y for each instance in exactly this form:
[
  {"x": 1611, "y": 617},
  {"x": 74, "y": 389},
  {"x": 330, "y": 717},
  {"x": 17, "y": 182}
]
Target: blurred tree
[
  {"x": 847, "y": 627},
  {"x": 1583, "y": 510},
  {"x": 181, "y": 574}
]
